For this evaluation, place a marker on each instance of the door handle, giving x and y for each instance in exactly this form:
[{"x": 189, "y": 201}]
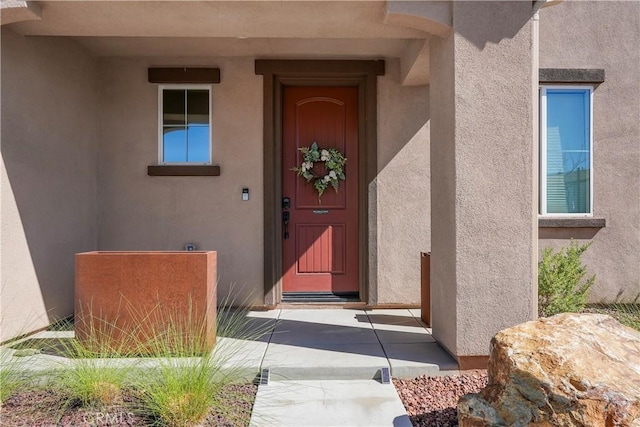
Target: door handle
[
  {"x": 286, "y": 204},
  {"x": 285, "y": 222}
]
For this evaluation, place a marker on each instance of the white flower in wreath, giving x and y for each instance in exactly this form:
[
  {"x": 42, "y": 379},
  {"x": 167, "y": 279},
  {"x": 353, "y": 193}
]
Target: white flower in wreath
[
  {"x": 326, "y": 178},
  {"x": 332, "y": 175},
  {"x": 324, "y": 155}
]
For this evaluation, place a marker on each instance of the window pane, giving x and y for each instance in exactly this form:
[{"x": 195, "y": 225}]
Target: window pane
[
  {"x": 198, "y": 107},
  {"x": 173, "y": 103},
  {"x": 174, "y": 144},
  {"x": 568, "y": 156},
  {"x": 198, "y": 143},
  {"x": 186, "y": 133}
]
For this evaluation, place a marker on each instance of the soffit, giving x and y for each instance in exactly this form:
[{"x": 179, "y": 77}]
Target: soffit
[
  {"x": 255, "y": 19},
  {"x": 282, "y": 48}
]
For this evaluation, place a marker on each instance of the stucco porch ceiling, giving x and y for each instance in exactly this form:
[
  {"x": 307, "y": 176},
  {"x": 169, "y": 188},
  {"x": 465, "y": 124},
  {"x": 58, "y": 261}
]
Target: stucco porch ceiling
[{"x": 262, "y": 29}]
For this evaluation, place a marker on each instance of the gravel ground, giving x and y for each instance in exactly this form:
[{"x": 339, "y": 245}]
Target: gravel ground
[
  {"x": 431, "y": 401},
  {"x": 44, "y": 408}
]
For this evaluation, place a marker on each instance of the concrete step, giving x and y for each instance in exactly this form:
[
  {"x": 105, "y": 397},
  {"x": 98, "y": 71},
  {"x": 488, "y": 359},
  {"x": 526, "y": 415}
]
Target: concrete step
[{"x": 328, "y": 403}]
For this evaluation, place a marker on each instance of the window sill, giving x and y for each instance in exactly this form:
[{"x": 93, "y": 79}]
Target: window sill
[
  {"x": 183, "y": 170},
  {"x": 565, "y": 222}
]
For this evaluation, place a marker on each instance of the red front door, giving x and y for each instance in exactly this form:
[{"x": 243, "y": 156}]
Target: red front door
[{"x": 320, "y": 252}]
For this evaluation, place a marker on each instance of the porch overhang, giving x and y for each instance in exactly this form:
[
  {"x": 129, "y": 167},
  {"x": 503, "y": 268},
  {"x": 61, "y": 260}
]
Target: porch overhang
[
  {"x": 369, "y": 29},
  {"x": 18, "y": 11}
]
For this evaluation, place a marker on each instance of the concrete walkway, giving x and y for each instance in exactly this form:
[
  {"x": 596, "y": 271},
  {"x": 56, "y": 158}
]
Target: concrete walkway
[
  {"x": 349, "y": 344},
  {"x": 325, "y": 366},
  {"x": 322, "y": 367}
]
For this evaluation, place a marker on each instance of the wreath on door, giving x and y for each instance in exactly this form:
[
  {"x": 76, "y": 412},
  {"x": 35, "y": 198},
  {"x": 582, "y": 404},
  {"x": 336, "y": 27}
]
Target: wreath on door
[{"x": 333, "y": 161}]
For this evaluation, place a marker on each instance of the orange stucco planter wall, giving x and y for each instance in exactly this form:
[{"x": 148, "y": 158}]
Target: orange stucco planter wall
[{"x": 125, "y": 300}]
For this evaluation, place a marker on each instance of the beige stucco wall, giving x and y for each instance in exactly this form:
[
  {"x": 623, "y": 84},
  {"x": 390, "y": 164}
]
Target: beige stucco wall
[
  {"x": 49, "y": 147},
  {"x": 482, "y": 174},
  {"x": 604, "y": 35},
  {"x": 403, "y": 188},
  {"x": 139, "y": 212},
  {"x": 104, "y": 133},
  {"x": 443, "y": 197}
]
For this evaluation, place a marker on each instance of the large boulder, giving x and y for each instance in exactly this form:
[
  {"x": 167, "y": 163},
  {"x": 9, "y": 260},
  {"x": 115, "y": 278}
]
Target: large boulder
[{"x": 566, "y": 370}]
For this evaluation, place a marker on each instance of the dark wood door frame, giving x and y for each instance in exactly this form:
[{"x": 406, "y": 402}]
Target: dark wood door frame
[{"x": 277, "y": 74}]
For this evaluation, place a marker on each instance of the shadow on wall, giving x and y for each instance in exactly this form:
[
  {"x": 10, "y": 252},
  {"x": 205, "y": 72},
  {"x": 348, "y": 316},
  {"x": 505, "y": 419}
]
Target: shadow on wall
[
  {"x": 55, "y": 220},
  {"x": 568, "y": 233},
  {"x": 403, "y": 111},
  {"x": 49, "y": 146},
  {"x": 399, "y": 217},
  {"x": 476, "y": 20}
]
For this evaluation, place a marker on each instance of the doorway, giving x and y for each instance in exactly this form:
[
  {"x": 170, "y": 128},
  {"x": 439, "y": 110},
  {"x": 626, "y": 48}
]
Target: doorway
[{"x": 278, "y": 75}]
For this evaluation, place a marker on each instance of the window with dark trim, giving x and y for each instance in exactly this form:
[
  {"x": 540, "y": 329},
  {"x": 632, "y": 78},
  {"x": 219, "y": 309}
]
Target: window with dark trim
[
  {"x": 566, "y": 150},
  {"x": 184, "y": 122}
]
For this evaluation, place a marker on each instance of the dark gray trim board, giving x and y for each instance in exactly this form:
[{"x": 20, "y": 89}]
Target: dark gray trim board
[
  {"x": 571, "y": 222},
  {"x": 183, "y": 170},
  {"x": 184, "y": 75},
  {"x": 304, "y": 68},
  {"x": 571, "y": 75}
]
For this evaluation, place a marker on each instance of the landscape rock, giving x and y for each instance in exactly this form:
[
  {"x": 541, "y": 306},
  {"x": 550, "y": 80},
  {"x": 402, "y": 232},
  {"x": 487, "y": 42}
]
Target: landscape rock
[{"x": 566, "y": 370}]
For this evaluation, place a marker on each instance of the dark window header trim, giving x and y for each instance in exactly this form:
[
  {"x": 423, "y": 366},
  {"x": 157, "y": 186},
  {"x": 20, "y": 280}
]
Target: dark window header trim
[
  {"x": 571, "y": 75},
  {"x": 184, "y": 75}
]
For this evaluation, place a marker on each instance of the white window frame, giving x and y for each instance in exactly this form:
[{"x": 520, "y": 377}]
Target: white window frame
[
  {"x": 543, "y": 151},
  {"x": 161, "y": 88}
]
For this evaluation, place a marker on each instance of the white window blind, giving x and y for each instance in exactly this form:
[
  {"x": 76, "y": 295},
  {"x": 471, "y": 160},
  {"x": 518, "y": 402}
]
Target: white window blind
[{"x": 566, "y": 150}]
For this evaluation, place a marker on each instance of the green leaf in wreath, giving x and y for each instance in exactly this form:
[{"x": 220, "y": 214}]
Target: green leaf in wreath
[{"x": 320, "y": 187}]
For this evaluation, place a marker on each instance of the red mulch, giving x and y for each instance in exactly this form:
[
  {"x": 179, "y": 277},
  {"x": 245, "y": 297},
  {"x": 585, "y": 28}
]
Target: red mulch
[{"x": 432, "y": 401}]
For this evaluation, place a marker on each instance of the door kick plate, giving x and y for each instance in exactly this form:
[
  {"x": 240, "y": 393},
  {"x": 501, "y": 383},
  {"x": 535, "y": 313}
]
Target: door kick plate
[{"x": 320, "y": 212}]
